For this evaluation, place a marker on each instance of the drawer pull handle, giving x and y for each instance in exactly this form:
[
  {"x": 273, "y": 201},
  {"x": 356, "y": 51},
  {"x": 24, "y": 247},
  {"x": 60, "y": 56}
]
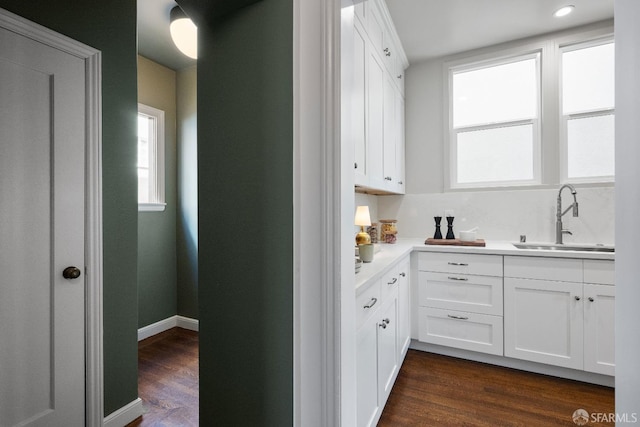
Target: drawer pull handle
[
  {"x": 462, "y": 264},
  {"x": 457, "y": 317},
  {"x": 403, "y": 274},
  {"x": 460, "y": 279},
  {"x": 393, "y": 282},
  {"x": 371, "y": 303}
]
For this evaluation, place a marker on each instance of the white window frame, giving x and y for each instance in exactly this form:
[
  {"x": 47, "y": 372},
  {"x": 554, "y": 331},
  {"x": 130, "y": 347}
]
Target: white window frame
[
  {"x": 564, "y": 119},
  {"x": 156, "y": 162},
  {"x": 478, "y": 64}
]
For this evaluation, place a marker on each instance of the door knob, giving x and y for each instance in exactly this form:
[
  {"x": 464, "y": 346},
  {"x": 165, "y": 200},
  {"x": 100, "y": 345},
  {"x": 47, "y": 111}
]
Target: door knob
[{"x": 71, "y": 273}]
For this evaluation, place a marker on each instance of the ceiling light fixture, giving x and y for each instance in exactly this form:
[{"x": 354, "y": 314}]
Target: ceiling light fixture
[
  {"x": 564, "y": 11},
  {"x": 184, "y": 32}
]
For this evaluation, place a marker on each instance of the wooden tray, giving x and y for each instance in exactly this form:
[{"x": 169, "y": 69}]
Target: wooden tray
[{"x": 454, "y": 242}]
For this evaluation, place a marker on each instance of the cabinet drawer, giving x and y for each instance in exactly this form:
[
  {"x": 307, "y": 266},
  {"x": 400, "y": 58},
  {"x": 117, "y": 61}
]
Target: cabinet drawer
[
  {"x": 486, "y": 265},
  {"x": 599, "y": 271},
  {"x": 468, "y": 331},
  {"x": 389, "y": 283},
  {"x": 558, "y": 269},
  {"x": 367, "y": 303},
  {"x": 476, "y": 294}
]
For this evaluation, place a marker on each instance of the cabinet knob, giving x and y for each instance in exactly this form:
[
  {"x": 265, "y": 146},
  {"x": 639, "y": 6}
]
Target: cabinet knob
[
  {"x": 403, "y": 274},
  {"x": 387, "y": 321},
  {"x": 577, "y": 298},
  {"x": 400, "y": 182},
  {"x": 387, "y": 52},
  {"x": 383, "y": 325},
  {"x": 355, "y": 166},
  {"x": 400, "y": 76},
  {"x": 591, "y": 299},
  {"x": 387, "y": 178}
]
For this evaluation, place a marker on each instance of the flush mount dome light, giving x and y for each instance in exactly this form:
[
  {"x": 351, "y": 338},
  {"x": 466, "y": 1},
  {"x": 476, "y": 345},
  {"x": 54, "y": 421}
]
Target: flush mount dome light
[
  {"x": 184, "y": 32},
  {"x": 564, "y": 11}
]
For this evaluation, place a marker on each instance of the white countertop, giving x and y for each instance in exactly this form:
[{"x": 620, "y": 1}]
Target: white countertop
[{"x": 391, "y": 253}]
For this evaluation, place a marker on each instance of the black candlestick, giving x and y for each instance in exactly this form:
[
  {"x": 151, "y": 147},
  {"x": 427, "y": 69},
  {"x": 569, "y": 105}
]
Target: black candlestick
[
  {"x": 450, "y": 228},
  {"x": 438, "y": 234}
]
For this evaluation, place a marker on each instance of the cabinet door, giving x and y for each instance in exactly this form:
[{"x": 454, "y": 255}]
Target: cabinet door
[
  {"x": 404, "y": 329},
  {"x": 375, "y": 117},
  {"x": 400, "y": 156},
  {"x": 367, "y": 373},
  {"x": 358, "y": 109},
  {"x": 387, "y": 353},
  {"x": 389, "y": 140},
  {"x": 599, "y": 328},
  {"x": 543, "y": 321}
]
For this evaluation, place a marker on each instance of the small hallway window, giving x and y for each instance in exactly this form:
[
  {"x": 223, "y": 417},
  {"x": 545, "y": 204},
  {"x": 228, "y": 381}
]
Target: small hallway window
[{"x": 150, "y": 159}]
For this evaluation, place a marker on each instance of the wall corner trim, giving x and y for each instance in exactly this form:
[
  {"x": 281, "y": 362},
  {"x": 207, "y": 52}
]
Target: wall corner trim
[
  {"x": 166, "y": 324},
  {"x": 123, "y": 416}
]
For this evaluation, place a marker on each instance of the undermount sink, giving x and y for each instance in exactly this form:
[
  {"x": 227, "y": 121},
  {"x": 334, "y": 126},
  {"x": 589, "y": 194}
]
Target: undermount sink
[{"x": 564, "y": 247}]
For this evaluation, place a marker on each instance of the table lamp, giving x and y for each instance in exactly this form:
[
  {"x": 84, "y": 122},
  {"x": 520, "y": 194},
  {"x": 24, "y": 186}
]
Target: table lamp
[{"x": 363, "y": 219}]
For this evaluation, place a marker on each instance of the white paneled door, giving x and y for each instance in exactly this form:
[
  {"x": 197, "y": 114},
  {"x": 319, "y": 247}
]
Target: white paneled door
[{"x": 42, "y": 226}]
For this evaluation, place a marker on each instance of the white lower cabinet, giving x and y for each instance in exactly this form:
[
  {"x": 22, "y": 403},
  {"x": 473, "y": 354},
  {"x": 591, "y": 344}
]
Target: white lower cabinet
[
  {"x": 404, "y": 310},
  {"x": 387, "y": 353},
  {"x": 459, "y": 329},
  {"x": 563, "y": 323},
  {"x": 460, "y": 301},
  {"x": 543, "y": 321},
  {"x": 382, "y": 339},
  {"x": 367, "y": 373}
]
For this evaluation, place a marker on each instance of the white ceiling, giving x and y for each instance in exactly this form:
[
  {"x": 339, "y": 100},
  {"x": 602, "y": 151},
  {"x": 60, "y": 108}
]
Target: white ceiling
[
  {"x": 435, "y": 28},
  {"x": 427, "y": 28},
  {"x": 154, "y": 41}
]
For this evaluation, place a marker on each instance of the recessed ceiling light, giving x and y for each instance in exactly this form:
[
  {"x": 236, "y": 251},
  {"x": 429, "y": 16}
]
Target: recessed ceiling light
[{"x": 564, "y": 11}]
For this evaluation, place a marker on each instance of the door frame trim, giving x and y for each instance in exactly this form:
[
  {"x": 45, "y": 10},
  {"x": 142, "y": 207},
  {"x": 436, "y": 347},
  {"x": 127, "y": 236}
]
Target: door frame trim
[{"x": 94, "y": 402}]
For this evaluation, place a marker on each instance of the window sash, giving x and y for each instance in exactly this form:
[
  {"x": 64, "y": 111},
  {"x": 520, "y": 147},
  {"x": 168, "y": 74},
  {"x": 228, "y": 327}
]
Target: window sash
[
  {"x": 564, "y": 147},
  {"x": 536, "y": 166},
  {"x": 534, "y": 121},
  {"x": 156, "y": 168},
  {"x": 566, "y": 118}
]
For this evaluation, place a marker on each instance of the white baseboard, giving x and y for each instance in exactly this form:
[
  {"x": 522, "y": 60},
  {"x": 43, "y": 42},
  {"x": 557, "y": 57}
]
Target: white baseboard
[
  {"x": 187, "y": 323},
  {"x": 166, "y": 324},
  {"x": 124, "y": 415}
]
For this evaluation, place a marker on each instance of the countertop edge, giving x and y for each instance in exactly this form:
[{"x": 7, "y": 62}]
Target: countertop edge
[{"x": 390, "y": 254}]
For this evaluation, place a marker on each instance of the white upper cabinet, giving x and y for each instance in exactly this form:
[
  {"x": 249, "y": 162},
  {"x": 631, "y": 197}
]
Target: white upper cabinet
[{"x": 377, "y": 118}]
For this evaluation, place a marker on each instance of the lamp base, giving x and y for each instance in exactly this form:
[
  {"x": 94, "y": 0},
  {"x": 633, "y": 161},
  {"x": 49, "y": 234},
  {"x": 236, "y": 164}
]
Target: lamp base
[{"x": 363, "y": 238}]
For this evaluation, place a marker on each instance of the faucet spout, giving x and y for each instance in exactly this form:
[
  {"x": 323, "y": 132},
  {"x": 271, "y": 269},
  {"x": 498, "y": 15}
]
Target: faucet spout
[{"x": 560, "y": 213}]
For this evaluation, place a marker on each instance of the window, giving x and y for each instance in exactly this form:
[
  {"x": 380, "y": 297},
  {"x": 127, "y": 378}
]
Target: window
[
  {"x": 150, "y": 159},
  {"x": 587, "y": 123},
  {"x": 494, "y": 132},
  {"x": 539, "y": 113}
]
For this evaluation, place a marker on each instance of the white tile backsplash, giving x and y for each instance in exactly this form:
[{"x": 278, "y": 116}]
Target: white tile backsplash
[{"x": 505, "y": 215}]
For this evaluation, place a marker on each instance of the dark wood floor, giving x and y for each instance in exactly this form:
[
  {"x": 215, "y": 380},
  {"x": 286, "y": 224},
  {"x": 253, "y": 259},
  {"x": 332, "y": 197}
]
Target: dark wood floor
[
  {"x": 434, "y": 390},
  {"x": 168, "y": 379},
  {"x": 431, "y": 390}
]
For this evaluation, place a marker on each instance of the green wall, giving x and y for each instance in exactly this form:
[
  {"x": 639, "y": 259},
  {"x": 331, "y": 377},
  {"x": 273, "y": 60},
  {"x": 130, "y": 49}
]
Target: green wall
[
  {"x": 157, "y": 265},
  {"x": 245, "y": 179},
  {"x": 187, "y": 232},
  {"x": 110, "y": 27}
]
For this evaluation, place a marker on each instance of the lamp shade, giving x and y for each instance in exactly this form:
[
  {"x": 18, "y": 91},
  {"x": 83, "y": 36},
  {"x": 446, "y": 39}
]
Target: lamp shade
[
  {"x": 362, "y": 216},
  {"x": 184, "y": 32}
]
